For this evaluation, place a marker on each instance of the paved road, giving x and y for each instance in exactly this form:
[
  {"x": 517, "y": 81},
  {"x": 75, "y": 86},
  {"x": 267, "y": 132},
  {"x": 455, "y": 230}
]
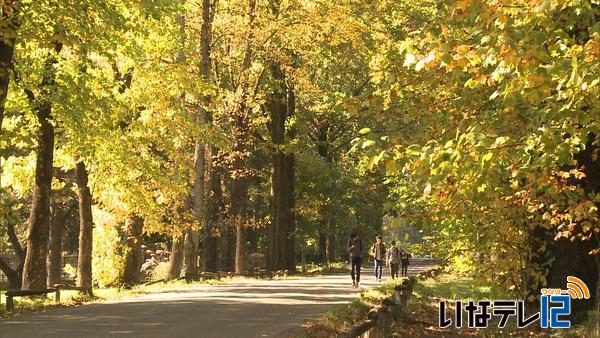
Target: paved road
[{"x": 272, "y": 308}]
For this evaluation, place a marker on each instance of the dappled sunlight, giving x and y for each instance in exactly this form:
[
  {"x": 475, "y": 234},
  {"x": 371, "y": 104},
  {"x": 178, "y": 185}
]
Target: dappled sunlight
[{"x": 232, "y": 308}]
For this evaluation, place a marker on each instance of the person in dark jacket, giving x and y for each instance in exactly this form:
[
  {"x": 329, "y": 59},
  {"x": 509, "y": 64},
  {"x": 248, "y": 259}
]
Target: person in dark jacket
[
  {"x": 404, "y": 261},
  {"x": 378, "y": 253},
  {"x": 355, "y": 250}
]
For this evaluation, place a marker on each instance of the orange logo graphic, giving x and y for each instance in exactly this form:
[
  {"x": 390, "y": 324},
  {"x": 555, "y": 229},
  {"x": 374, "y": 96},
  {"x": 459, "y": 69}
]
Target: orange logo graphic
[{"x": 576, "y": 288}]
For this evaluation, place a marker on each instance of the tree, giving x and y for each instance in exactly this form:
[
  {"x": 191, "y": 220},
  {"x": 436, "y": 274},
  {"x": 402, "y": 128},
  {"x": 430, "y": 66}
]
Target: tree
[
  {"x": 281, "y": 253},
  {"x": 9, "y": 27},
  {"x": 133, "y": 250},
  {"x": 34, "y": 269},
  {"x": 86, "y": 223},
  {"x": 61, "y": 208}
]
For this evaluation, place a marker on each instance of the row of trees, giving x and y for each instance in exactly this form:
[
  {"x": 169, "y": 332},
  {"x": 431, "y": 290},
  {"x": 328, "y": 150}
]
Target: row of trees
[
  {"x": 222, "y": 127},
  {"x": 277, "y": 127}
]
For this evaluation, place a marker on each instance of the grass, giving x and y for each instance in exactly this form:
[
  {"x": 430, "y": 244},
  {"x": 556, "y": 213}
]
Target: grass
[
  {"x": 73, "y": 298},
  {"x": 420, "y": 319},
  {"x": 422, "y": 315},
  {"x": 332, "y": 322},
  {"x": 323, "y": 268}
]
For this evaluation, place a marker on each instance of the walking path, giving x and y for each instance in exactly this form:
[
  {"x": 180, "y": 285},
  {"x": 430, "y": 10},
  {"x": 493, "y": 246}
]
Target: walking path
[{"x": 255, "y": 308}]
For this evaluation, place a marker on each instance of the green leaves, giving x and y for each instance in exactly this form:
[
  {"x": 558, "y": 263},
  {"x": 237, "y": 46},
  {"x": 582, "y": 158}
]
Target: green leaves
[{"x": 367, "y": 144}]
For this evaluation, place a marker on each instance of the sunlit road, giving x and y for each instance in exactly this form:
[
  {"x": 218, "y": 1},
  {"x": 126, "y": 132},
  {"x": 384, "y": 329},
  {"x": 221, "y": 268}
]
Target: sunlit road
[{"x": 255, "y": 308}]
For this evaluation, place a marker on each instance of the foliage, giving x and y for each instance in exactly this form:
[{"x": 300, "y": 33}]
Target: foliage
[
  {"x": 466, "y": 120},
  {"x": 488, "y": 107},
  {"x": 108, "y": 260}
]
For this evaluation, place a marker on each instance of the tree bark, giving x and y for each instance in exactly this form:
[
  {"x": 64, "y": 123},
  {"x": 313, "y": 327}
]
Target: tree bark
[
  {"x": 572, "y": 258},
  {"x": 281, "y": 253},
  {"x": 86, "y": 225},
  {"x": 277, "y": 111},
  {"x": 323, "y": 150},
  {"x": 212, "y": 219},
  {"x": 9, "y": 26},
  {"x": 15, "y": 275},
  {"x": 176, "y": 258},
  {"x": 331, "y": 247},
  {"x": 213, "y": 184},
  {"x": 289, "y": 258},
  {"x": 289, "y": 180},
  {"x": 252, "y": 236},
  {"x": 14, "y": 241},
  {"x": 227, "y": 257},
  {"x": 322, "y": 247},
  {"x": 241, "y": 134},
  {"x": 133, "y": 255},
  {"x": 57, "y": 226},
  {"x": 190, "y": 253},
  {"x": 34, "y": 269},
  {"x": 239, "y": 201}
]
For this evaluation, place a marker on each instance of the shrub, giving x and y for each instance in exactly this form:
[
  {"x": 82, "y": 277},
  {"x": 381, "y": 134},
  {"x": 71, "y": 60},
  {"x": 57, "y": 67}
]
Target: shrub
[{"x": 108, "y": 260}]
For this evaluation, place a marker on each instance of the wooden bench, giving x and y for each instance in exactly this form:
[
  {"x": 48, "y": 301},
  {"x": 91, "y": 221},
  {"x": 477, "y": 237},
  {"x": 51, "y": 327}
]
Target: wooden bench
[
  {"x": 10, "y": 295},
  {"x": 10, "y": 305}
]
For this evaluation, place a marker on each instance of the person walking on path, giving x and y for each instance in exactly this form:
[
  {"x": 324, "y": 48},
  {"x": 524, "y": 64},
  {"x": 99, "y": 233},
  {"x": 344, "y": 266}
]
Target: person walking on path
[
  {"x": 355, "y": 250},
  {"x": 404, "y": 260},
  {"x": 378, "y": 253},
  {"x": 393, "y": 259}
]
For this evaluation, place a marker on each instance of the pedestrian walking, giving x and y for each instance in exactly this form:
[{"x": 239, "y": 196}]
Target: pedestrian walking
[
  {"x": 378, "y": 253},
  {"x": 355, "y": 249},
  {"x": 404, "y": 261},
  {"x": 393, "y": 259}
]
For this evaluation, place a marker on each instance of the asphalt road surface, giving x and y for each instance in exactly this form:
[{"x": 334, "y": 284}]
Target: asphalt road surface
[{"x": 255, "y": 308}]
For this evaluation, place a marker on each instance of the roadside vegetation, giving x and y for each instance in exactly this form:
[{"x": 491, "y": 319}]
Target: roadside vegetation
[{"x": 420, "y": 319}]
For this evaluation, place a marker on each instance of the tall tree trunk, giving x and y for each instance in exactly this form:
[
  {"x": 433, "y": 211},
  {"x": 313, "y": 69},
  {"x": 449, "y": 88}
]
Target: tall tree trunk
[
  {"x": 212, "y": 219},
  {"x": 277, "y": 110},
  {"x": 323, "y": 150},
  {"x": 289, "y": 254},
  {"x": 572, "y": 258},
  {"x": 331, "y": 248},
  {"x": 226, "y": 260},
  {"x": 239, "y": 201},
  {"x": 289, "y": 179},
  {"x": 176, "y": 258},
  {"x": 86, "y": 227},
  {"x": 322, "y": 247},
  {"x": 9, "y": 26},
  {"x": 241, "y": 134},
  {"x": 252, "y": 235},
  {"x": 190, "y": 253},
  {"x": 275, "y": 218},
  {"x": 281, "y": 254},
  {"x": 58, "y": 216},
  {"x": 34, "y": 269},
  {"x": 213, "y": 184},
  {"x": 133, "y": 255},
  {"x": 192, "y": 236}
]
